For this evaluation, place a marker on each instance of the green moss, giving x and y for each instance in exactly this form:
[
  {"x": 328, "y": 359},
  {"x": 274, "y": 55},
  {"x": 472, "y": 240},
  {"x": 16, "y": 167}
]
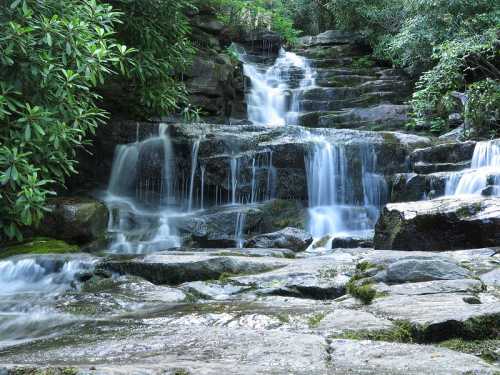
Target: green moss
[
  {"x": 365, "y": 265},
  {"x": 39, "y": 246},
  {"x": 314, "y": 320},
  {"x": 48, "y": 371},
  {"x": 283, "y": 318},
  {"x": 485, "y": 349},
  {"x": 362, "y": 62},
  {"x": 365, "y": 292},
  {"x": 403, "y": 332}
]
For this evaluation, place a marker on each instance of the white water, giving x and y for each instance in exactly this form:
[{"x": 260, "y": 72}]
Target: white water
[
  {"x": 484, "y": 172},
  {"x": 336, "y": 209},
  {"x": 142, "y": 208},
  {"x": 194, "y": 165},
  {"x": 29, "y": 288},
  {"x": 272, "y": 101}
]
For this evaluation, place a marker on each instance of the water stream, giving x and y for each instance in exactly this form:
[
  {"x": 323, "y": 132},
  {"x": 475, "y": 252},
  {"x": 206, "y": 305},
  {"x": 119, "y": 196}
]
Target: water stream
[
  {"x": 483, "y": 177},
  {"x": 29, "y": 289},
  {"x": 345, "y": 194},
  {"x": 276, "y": 90}
]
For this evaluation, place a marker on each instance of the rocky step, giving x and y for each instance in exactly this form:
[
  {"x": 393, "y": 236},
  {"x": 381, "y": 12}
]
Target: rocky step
[
  {"x": 329, "y": 38},
  {"x": 451, "y": 156},
  {"x": 328, "y": 52},
  {"x": 381, "y": 117}
]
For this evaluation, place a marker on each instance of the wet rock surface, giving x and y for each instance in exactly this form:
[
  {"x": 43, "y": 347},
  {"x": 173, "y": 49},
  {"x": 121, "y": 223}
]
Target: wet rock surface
[{"x": 293, "y": 315}]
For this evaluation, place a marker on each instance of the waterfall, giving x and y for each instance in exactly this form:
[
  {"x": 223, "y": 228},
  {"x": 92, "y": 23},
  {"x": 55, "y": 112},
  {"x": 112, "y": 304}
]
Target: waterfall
[
  {"x": 239, "y": 228},
  {"x": 194, "y": 165},
  {"x": 483, "y": 173},
  {"x": 274, "y": 97},
  {"x": 335, "y": 205},
  {"x": 142, "y": 202}
]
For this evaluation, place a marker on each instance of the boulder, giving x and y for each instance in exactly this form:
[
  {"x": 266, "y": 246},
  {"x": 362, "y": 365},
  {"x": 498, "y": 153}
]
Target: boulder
[
  {"x": 75, "y": 219},
  {"x": 353, "y": 241},
  {"x": 440, "y": 224},
  {"x": 421, "y": 269},
  {"x": 289, "y": 238}
]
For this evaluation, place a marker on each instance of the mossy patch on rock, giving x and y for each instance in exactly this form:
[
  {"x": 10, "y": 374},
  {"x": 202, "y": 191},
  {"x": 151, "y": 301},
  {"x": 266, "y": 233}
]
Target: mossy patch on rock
[{"x": 39, "y": 246}]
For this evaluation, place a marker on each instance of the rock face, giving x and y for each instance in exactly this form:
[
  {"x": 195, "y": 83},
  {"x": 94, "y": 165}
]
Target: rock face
[
  {"x": 288, "y": 238},
  {"x": 75, "y": 219},
  {"x": 440, "y": 224}
]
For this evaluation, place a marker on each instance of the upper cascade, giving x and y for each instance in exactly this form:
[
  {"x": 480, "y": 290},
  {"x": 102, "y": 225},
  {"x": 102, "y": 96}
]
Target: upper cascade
[
  {"x": 275, "y": 92},
  {"x": 484, "y": 172}
]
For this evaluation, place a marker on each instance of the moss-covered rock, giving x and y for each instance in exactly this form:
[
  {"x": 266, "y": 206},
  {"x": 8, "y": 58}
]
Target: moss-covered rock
[
  {"x": 38, "y": 246},
  {"x": 75, "y": 219}
]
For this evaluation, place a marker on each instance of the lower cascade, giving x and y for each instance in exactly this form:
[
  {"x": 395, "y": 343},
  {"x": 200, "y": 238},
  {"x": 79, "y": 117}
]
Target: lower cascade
[
  {"x": 344, "y": 197},
  {"x": 28, "y": 289},
  {"x": 483, "y": 177}
]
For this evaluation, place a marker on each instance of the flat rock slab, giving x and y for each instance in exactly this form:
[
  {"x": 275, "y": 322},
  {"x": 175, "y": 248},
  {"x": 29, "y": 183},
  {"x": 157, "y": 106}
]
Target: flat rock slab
[
  {"x": 156, "y": 349},
  {"x": 376, "y": 358},
  {"x": 176, "y": 268},
  {"x": 432, "y": 287},
  {"x": 440, "y": 315}
]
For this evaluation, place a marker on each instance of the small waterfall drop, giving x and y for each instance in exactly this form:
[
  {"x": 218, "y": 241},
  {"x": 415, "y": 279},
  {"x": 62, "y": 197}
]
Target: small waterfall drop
[
  {"x": 142, "y": 202},
  {"x": 275, "y": 93},
  {"x": 484, "y": 172},
  {"x": 344, "y": 196}
]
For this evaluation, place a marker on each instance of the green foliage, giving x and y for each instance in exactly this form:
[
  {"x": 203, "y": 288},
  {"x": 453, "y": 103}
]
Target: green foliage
[
  {"x": 483, "y": 108},
  {"x": 159, "y": 32},
  {"x": 257, "y": 15},
  {"x": 451, "y": 45},
  {"x": 53, "y": 54}
]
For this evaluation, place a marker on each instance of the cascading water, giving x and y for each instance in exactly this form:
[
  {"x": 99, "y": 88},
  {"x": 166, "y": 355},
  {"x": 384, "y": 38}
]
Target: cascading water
[
  {"x": 28, "y": 291},
  {"x": 142, "y": 206},
  {"x": 344, "y": 198},
  {"x": 484, "y": 172},
  {"x": 274, "y": 97}
]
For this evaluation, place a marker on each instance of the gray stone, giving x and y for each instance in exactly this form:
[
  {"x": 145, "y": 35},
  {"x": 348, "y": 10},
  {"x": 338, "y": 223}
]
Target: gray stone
[
  {"x": 451, "y": 153},
  {"x": 176, "y": 268},
  {"x": 439, "y": 224},
  {"x": 383, "y": 116},
  {"x": 289, "y": 238},
  {"x": 421, "y": 269},
  {"x": 375, "y": 358},
  {"x": 323, "y": 277},
  {"x": 432, "y": 287}
]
